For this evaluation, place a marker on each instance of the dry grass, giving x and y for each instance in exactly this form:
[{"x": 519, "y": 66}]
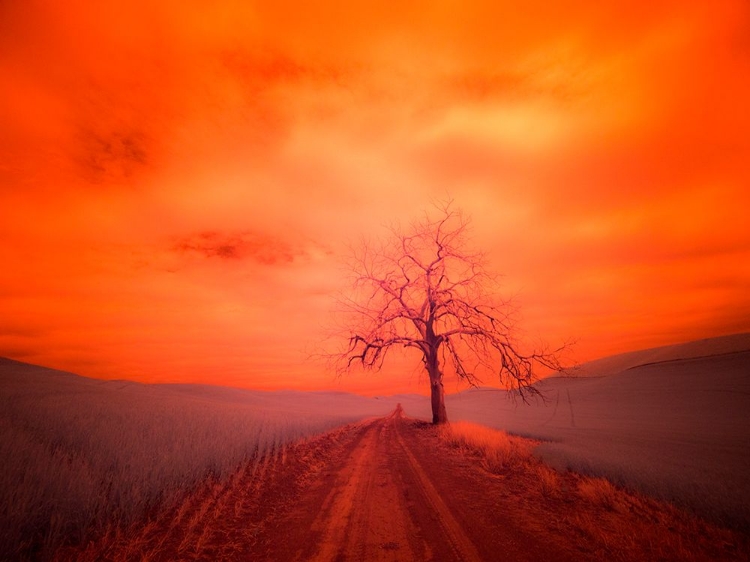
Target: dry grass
[
  {"x": 600, "y": 492},
  {"x": 500, "y": 453},
  {"x": 497, "y": 450},
  {"x": 83, "y": 458},
  {"x": 548, "y": 480},
  {"x": 219, "y": 519},
  {"x": 603, "y": 521}
]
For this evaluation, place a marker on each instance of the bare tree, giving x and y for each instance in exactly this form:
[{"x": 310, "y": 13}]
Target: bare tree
[{"x": 423, "y": 288}]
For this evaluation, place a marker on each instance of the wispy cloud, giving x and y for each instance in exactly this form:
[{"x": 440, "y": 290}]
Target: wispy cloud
[{"x": 262, "y": 248}]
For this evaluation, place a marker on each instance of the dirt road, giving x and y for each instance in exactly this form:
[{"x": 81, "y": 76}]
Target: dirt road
[
  {"x": 384, "y": 494},
  {"x": 384, "y": 506},
  {"x": 391, "y": 490}
]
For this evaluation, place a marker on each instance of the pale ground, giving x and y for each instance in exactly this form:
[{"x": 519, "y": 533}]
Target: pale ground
[
  {"x": 395, "y": 489},
  {"x": 673, "y": 422},
  {"x": 80, "y": 454}
]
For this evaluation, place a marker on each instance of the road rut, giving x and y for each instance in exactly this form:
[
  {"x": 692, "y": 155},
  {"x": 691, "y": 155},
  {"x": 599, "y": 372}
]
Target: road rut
[{"x": 370, "y": 512}]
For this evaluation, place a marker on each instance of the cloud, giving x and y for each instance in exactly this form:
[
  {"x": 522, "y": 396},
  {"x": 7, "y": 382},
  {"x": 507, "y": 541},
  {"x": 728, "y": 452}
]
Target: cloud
[
  {"x": 261, "y": 248},
  {"x": 112, "y": 156}
]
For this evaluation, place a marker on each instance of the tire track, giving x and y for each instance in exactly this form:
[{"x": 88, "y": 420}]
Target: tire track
[
  {"x": 336, "y": 511},
  {"x": 362, "y": 517},
  {"x": 370, "y": 513},
  {"x": 462, "y": 546}
]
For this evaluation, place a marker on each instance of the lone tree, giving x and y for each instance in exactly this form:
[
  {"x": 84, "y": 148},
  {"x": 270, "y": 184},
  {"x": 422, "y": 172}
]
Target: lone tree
[{"x": 422, "y": 287}]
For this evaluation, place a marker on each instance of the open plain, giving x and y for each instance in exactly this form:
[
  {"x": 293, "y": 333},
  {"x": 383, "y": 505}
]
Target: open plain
[{"x": 399, "y": 489}]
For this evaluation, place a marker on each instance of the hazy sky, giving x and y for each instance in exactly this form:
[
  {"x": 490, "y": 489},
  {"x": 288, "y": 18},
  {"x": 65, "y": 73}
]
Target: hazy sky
[{"x": 178, "y": 179}]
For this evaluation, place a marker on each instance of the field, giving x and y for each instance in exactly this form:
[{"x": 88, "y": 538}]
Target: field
[
  {"x": 398, "y": 489},
  {"x": 86, "y": 460},
  {"x": 83, "y": 456},
  {"x": 672, "y": 422}
]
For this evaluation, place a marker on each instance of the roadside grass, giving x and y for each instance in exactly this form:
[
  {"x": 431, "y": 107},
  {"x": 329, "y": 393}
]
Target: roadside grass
[
  {"x": 602, "y": 518},
  {"x": 548, "y": 480},
  {"x": 676, "y": 430},
  {"x": 84, "y": 458},
  {"x": 498, "y": 450},
  {"x": 218, "y": 519},
  {"x": 56, "y": 488},
  {"x": 600, "y": 492}
]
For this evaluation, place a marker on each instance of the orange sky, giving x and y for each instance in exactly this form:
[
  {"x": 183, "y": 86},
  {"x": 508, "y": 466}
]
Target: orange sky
[{"x": 177, "y": 181}]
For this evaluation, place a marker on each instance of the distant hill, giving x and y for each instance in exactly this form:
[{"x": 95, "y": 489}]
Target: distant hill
[{"x": 690, "y": 350}]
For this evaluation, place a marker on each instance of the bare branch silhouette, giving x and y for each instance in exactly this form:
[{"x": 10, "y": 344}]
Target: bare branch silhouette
[{"x": 423, "y": 287}]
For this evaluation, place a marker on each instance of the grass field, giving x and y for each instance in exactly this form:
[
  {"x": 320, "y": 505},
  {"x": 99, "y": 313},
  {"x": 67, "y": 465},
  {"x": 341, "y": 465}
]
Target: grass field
[
  {"x": 668, "y": 423},
  {"x": 81, "y": 456}
]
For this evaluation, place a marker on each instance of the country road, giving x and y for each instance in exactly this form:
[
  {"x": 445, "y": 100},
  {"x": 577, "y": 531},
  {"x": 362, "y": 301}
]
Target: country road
[
  {"x": 387, "y": 495},
  {"x": 391, "y": 489},
  {"x": 384, "y": 506}
]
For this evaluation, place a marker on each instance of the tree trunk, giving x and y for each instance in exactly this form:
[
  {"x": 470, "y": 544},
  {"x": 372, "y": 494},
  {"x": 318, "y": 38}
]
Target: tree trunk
[{"x": 437, "y": 393}]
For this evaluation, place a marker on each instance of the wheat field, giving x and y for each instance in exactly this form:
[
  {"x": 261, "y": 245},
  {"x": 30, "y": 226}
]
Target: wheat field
[{"x": 81, "y": 456}]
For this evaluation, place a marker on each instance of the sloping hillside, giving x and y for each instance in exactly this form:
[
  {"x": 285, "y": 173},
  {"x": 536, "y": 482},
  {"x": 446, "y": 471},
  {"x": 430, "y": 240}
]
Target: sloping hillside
[
  {"x": 677, "y": 428},
  {"x": 688, "y": 350}
]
